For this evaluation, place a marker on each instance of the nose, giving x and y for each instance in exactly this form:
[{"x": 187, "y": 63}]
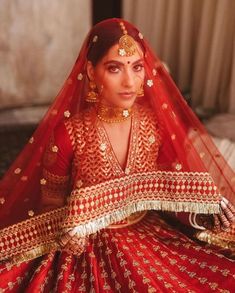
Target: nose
[{"x": 128, "y": 79}]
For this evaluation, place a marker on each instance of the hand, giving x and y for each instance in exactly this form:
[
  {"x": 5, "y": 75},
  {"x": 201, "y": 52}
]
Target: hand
[
  {"x": 72, "y": 243},
  {"x": 226, "y": 217}
]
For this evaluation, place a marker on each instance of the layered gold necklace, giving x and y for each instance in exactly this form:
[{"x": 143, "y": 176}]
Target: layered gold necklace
[{"x": 111, "y": 114}]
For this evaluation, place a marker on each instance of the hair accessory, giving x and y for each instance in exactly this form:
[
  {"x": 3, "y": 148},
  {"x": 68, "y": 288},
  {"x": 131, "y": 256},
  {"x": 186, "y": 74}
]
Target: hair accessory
[
  {"x": 92, "y": 95},
  {"x": 127, "y": 45}
]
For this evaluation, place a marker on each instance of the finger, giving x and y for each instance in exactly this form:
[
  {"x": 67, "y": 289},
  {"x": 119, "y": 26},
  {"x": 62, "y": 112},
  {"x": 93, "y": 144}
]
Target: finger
[
  {"x": 230, "y": 216},
  {"x": 228, "y": 204},
  {"x": 72, "y": 232},
  {"x": 64, "y": 239},
  {"x": 228, "y": 209},
  {"x": 224, "y": 199},
  {"x": 228, "y": 213},
  {"x": 217, "y": 223},
  {"x": 224, "y": 220},
  {"x": 231, "y": 207}
]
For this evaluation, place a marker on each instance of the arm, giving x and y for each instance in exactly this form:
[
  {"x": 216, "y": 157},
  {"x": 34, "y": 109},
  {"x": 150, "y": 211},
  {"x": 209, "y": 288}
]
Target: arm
[
  {"x": 56, "y": 184},
  {"x": 55, "y": 180}
]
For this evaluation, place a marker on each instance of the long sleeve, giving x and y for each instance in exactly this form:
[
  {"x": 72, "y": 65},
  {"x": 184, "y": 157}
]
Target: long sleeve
[{"x": 55, "y": 181}]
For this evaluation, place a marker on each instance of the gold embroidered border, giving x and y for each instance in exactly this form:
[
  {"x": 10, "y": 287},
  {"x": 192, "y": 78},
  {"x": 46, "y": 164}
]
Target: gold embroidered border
[
  {"x": 35, "y": 234},
  {"x": 93, "y": 208},
  {"x": 223, "y": 239},
  {"x": 53, "y": 178},
  {"x": 162, "y": 190}
]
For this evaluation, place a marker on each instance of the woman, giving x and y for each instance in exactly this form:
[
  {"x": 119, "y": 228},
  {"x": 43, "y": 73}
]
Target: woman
[{"x": 122, "y": 142}]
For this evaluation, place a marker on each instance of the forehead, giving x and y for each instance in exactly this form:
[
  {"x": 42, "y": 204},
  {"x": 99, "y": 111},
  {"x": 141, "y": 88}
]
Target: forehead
[{"x": 113, "y": 54}]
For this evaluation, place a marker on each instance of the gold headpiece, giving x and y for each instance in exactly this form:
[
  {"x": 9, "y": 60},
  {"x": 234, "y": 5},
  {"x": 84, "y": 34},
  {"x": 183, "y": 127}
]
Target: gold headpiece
[{"x": 127, "y": 45}]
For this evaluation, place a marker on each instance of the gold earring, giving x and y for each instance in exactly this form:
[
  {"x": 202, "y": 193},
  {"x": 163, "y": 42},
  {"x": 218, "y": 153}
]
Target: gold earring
[
  {"x": 92, "y": 95},
  {"x": 140, "y": 92}
]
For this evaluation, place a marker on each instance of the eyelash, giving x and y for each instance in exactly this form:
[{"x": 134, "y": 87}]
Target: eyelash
[
  {"x": 140, "y": 66},
  {"x": 115, "y": 69}
]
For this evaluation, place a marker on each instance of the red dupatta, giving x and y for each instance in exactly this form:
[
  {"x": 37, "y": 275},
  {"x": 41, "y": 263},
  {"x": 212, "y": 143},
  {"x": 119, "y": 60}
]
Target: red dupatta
[{"x": 187, "y": 151}]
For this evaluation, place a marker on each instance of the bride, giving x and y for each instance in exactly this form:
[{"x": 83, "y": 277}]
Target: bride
[{"x": 80, "y": 207}]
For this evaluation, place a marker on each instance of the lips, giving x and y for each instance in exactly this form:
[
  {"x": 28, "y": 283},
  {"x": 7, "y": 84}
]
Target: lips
[{"x": 127, "y": 95}]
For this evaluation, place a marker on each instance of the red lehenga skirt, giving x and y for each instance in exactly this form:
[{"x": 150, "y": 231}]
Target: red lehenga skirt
[{"x": 149, "y": 256}]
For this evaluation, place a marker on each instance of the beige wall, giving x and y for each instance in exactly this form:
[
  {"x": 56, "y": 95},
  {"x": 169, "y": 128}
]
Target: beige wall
[
  {"x": 39, "y": 42},
  {"x": 196, "y": 38}
]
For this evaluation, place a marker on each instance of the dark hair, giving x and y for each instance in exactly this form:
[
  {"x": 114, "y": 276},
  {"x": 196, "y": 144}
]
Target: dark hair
[{"x": 104, "y": 35}]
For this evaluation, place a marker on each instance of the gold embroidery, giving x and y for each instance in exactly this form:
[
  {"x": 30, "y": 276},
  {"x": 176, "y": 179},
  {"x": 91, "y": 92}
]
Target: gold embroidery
[
  {"x": 54, "y": 189},
  {"x": 222, "y": 239},
  {"x": 131, "y": 220},
  {"x": 43, "y": 181},
  {"x": 31, "y": 140},
  {"x": 119, "y": 198},
  {"x": 94, "y": 160},
  {"x": 67, "y": 114},
  {"x": 80, "y": 76},
  {"x": 17, "y": 171},
  {"x": 2, "y": 200},
  {"x": 149, "y": 82},
  {"x": 31, "y": 213}
]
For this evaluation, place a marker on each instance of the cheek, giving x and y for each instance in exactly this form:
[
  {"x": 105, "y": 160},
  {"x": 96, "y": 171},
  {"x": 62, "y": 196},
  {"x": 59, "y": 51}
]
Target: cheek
[
  {"x": 110, "y": 83},
  {"x": 139, "y": 79}
]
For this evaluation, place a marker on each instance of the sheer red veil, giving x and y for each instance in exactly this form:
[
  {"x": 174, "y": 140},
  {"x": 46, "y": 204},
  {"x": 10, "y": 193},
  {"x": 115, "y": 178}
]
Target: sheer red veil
[{"x": 186, "y": 145}]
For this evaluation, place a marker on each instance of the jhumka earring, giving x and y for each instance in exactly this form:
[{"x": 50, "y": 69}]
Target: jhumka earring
[
  {"x": 92, "y": 95},
  {"x": 140, "y": 92}
]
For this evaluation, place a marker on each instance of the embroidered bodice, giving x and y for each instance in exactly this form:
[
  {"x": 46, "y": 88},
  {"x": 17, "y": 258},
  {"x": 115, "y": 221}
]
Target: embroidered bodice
[
  {"x": 80, "y": 153},
  {"x": 94, "y": 160}
]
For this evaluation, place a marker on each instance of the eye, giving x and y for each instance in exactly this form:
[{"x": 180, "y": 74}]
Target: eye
[
  {"x": 138, "y": 67},
  {"x": 113, "y": 68}
]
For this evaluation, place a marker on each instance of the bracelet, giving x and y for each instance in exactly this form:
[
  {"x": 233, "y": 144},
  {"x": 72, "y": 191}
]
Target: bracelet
[{"x": 193, "y": 223}]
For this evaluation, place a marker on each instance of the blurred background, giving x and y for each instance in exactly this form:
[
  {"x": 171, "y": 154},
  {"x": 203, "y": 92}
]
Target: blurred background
[{"x": 40, "y": 40}]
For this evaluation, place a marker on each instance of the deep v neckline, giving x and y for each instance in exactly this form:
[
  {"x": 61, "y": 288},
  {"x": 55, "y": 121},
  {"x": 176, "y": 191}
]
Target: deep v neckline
[{"x": 106, "y": 145}]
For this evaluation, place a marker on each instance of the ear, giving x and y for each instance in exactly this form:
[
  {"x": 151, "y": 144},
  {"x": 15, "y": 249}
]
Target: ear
[{"x": 90, "y": 70}]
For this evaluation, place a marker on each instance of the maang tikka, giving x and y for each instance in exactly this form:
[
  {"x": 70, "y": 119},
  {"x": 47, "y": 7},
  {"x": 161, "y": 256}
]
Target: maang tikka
[{"x": 127, "y": 45}]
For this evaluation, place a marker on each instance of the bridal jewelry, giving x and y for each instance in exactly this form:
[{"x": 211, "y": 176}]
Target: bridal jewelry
[
  {"x": 127, "y": 45},
  {"x": 140, "y": 92},
  {"x": 193, "y": 223},
  {"x": 112, "y": 114},
  {"x": 92, "y": 95}
]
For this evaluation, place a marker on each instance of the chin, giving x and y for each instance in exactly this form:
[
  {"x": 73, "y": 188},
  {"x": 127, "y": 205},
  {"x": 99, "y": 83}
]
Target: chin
[{"x": 126, "y": 104}]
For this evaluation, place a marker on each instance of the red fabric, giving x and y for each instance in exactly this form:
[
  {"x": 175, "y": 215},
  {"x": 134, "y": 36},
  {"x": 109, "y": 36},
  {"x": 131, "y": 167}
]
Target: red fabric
[
  {"x": 149, "y": 256},
  {"x": 62, "y": 164},
  {"x": 191, "y": 146},
  {"x": 184, "y": 138}
]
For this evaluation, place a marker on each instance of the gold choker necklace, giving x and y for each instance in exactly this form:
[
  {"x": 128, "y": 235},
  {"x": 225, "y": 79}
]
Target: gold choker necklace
[{"x": 113, "y": 114}]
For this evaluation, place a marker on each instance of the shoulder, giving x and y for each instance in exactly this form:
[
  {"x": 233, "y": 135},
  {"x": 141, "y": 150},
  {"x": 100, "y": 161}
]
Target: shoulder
[
  {"x": 79, "y": 124},
  {"x": 146, "y": 113},
  {"x": 149, "y": 123},
  {"x": 78, "y": 120}
]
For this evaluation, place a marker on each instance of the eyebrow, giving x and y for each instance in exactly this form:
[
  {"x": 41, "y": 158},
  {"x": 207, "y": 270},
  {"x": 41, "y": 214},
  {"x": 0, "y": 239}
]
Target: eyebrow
[{"x": 121, "y": 63}]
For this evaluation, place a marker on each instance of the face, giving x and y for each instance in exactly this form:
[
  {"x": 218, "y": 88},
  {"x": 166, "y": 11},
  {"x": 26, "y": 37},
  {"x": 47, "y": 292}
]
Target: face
[{"x": 118, "y": 78}]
